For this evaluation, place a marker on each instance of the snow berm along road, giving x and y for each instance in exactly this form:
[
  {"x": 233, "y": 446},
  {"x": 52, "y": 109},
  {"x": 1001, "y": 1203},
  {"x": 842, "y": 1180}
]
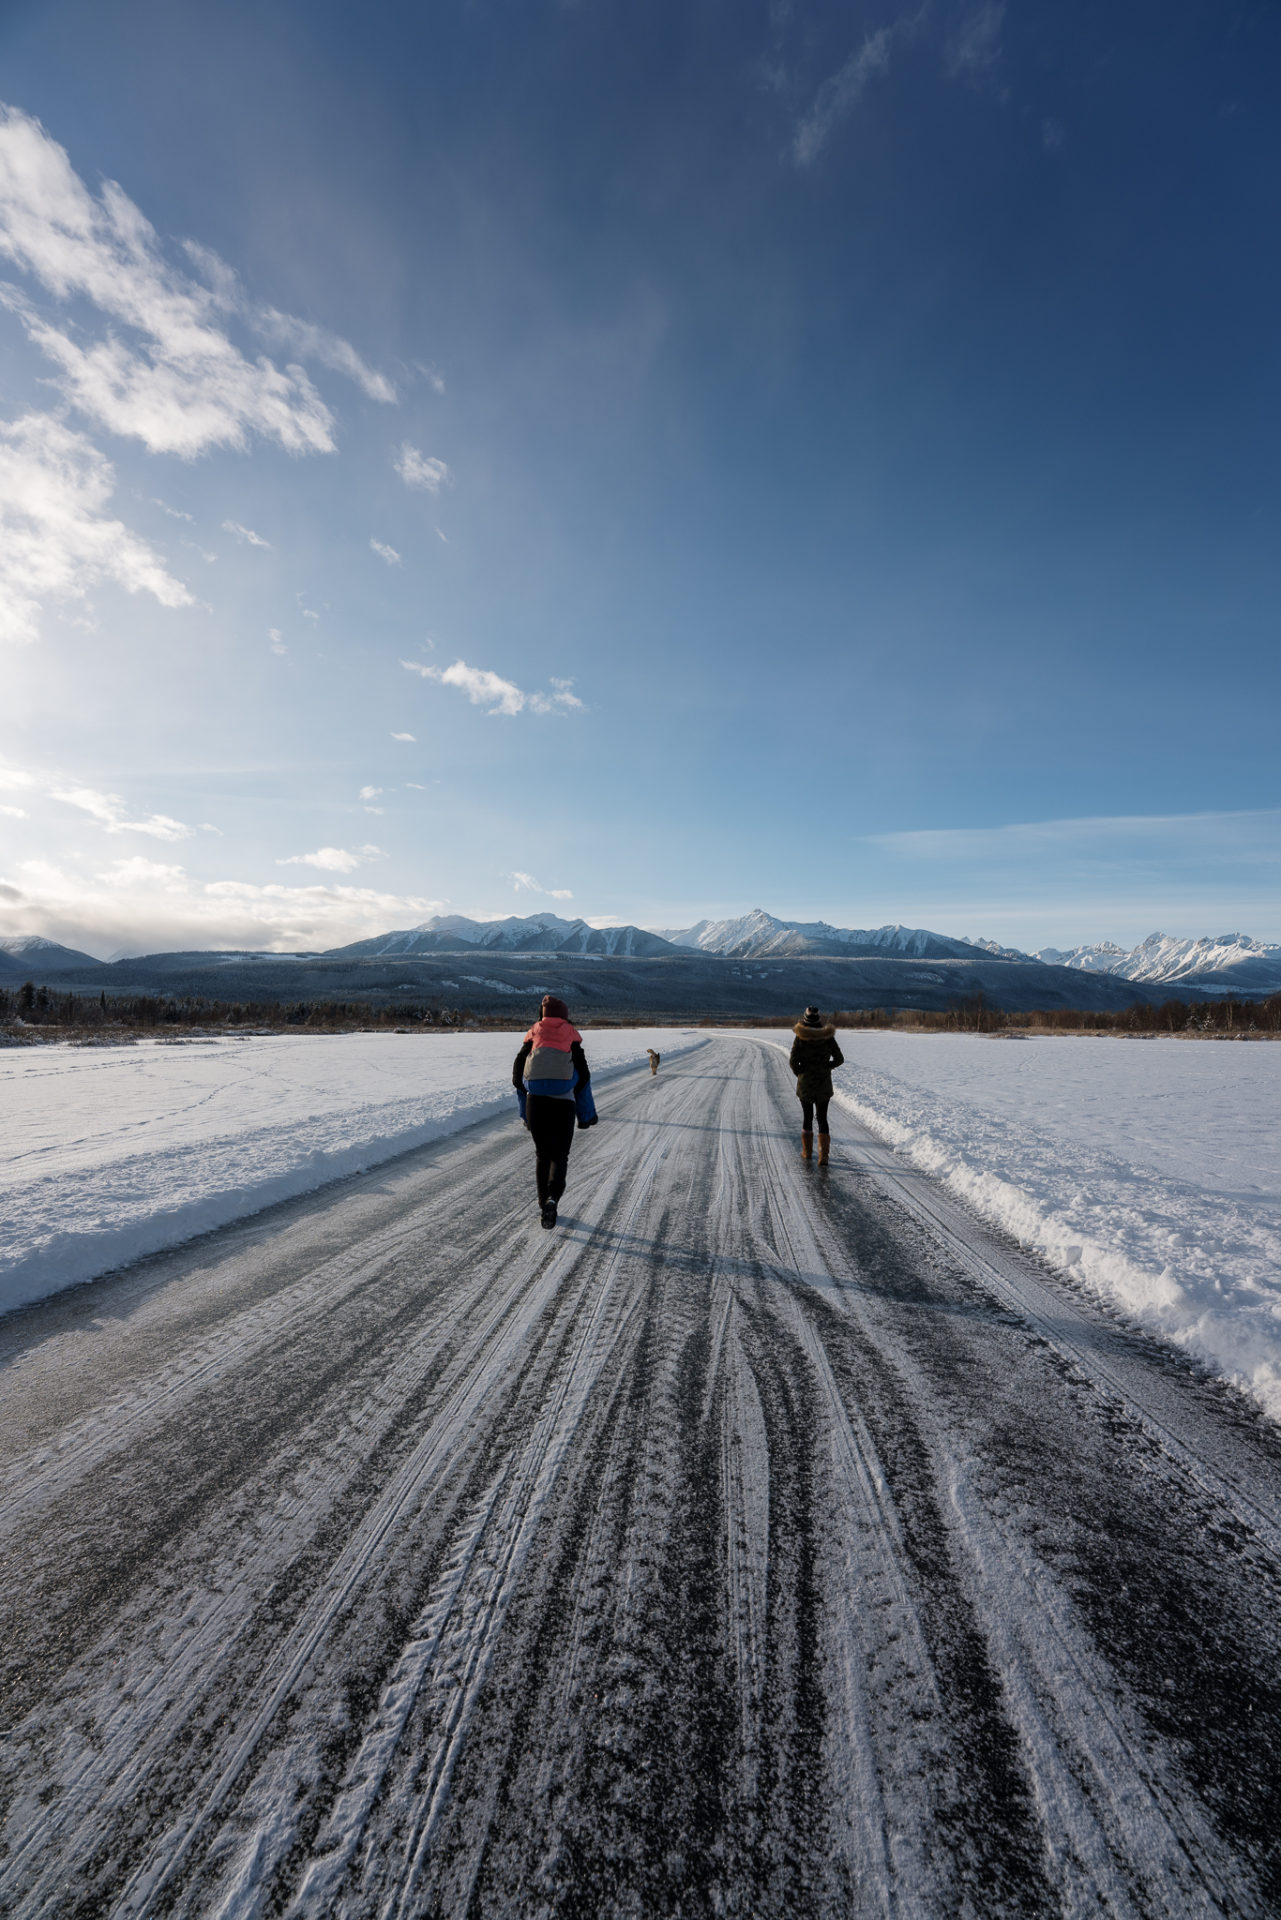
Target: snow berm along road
[{"x": 759, "y": 1543}]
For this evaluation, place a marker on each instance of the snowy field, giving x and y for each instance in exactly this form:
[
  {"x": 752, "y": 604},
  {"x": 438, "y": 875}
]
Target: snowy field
[
  {"x": 115, "y": 1152},
  {"x": 1150, "y": 1169}
]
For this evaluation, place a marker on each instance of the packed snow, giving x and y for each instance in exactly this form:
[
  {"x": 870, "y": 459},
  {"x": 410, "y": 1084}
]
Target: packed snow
[
  {"x": 1149, "y": 1169},
  {"x": 115, "y": 1152}
]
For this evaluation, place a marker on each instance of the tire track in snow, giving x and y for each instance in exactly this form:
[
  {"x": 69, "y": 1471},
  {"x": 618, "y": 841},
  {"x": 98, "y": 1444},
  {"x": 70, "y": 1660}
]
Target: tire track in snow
[
  {"x": 42, "y": 1476},
  {"x": 116, "y": 1773},
  {"x": 1118, "y": 1363},
  {"x": 722, "y": 1554},
  {"x": 360, "y": 1559},
  {"x": 523, "y": 1487}
]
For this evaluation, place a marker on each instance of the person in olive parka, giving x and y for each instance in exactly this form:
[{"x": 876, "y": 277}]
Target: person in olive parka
[{"x": 814, "y": 1054}]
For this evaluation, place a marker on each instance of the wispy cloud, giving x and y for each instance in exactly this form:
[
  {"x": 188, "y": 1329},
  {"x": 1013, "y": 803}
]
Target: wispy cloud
[
  {"x": 173, "y": 377},
  {"x": 526, "y": 883},
  {"x": 420, "y": 470},
  {"x": 1257, "y": 829},
  {"x": 564, "y": 696},
  {"x": 404, "y": 736},
  {"x": 384, "y": 552},
  {"x": 975, "y": 47},
  {"x": 971, "y": 52},
  {"x": 486, "y": 689},
  {"x": 56, "y": 539},
  {"x": 326, "y": 349},
  {"x": 334, "y": 859},
  {"x": 840, "y": 93},
  {"x": 370, "y": 793},
  {"x": 275, "y": 640},
  {"x": 246, "y": 534},
  {"x": 108, "y": 809}
]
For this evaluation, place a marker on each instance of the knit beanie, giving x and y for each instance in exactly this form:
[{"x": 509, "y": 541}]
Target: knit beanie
[
  {"x": 813, "y": 1018},
  {"x": 554, "y": 1007}
]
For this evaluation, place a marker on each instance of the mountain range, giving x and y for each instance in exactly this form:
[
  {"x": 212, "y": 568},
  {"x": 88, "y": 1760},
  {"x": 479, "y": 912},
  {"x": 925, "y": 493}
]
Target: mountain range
[
  {"x": 1228, "y": 962},
  {"x": 539, "y": 933},
  {"x": 754, "y": 957},
  {"x": 758, "y": 935},
  {"x": 1232, "y": 960}
]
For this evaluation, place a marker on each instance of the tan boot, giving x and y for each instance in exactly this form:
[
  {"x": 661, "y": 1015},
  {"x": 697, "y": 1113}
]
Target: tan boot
[
  {"x": 807, "y": 1146},
  {"x": 824, "y": 1148}
]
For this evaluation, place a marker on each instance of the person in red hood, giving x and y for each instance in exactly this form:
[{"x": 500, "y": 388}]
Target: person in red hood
[{"x": 549, "y": 1071}]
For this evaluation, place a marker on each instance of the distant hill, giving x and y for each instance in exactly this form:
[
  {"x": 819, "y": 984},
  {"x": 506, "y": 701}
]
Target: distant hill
[
  {"x": 23, "y": 952},
  {"x": 682, "y": 984}
]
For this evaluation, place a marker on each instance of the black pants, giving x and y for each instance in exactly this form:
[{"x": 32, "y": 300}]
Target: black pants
[
  {"x": 807, "y": 1113},
  {"x": 551, "y": 1122}
]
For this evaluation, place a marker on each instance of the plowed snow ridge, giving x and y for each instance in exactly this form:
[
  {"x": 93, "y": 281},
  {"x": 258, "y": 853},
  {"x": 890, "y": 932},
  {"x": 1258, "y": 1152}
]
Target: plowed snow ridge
[{"x": 1149, "y": 1169}]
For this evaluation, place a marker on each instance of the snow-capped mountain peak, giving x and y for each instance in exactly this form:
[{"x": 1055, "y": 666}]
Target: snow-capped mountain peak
[
  {"x": 534, "y": 933},
  {"x": 759, "y": 935},
  {"x": 35, "y": 949},
  {"x": 1251, "y": 965}
]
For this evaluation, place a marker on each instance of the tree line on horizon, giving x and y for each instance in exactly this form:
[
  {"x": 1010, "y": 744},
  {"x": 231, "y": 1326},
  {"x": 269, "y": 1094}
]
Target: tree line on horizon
[{"x": 35, "y": 1009}]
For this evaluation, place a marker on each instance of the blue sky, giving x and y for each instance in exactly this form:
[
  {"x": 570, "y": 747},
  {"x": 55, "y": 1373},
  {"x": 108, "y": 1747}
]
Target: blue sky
[{"x": 809, "y": 456}]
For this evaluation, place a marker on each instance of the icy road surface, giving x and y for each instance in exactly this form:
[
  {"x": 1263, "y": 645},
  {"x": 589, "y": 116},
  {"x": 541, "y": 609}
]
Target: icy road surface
[
  {"x": 762, "y": 1542},
  {"x": 113, "y": 1152}
]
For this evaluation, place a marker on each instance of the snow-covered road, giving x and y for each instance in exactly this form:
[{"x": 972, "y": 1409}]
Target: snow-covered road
[{"x": 766, "y": 1541}]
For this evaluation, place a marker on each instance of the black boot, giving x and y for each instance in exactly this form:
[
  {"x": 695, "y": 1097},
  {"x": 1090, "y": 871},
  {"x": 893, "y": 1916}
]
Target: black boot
[{"x": 548, "y": 1215}]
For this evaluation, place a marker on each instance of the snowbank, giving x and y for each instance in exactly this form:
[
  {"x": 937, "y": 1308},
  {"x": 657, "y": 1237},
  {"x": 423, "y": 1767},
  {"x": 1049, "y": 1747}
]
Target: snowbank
[
  {"x": 116, "y": 1152},
  {"x": 1149, "y": 1169}
]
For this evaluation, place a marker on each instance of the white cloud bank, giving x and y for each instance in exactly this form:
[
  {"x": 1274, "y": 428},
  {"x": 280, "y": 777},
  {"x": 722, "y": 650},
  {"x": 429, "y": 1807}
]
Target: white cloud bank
[
  {"x": 149, "y": 906},
  {"x": 57, "y": 540},
  {"x": 159, "y": 366},
  {"x": 174, "y": 378},
  {"x": 486, "y": 689}
]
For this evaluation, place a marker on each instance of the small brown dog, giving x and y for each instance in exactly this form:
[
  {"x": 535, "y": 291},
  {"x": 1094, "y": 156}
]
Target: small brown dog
[{"x": 654, "y": 1059}]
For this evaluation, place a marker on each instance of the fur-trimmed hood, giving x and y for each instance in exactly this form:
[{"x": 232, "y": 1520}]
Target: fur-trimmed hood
[{"x": 826, "y": 1032}]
